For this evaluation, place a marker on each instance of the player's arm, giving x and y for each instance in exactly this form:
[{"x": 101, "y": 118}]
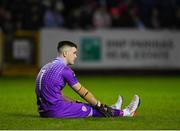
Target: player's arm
[{"x": 86, "y": 95}]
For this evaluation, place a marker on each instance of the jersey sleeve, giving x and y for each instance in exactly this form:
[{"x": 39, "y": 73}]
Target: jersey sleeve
[{"x": 69, "y": 76}]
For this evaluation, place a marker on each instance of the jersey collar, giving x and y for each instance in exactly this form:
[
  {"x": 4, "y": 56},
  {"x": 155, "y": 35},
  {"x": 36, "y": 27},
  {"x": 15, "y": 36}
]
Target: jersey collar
[{"x": 60, "y": 59}]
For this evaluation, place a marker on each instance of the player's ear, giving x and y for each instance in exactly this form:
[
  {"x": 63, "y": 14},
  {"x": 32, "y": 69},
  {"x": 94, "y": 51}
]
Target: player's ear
[{"x": 64, "y": 53}]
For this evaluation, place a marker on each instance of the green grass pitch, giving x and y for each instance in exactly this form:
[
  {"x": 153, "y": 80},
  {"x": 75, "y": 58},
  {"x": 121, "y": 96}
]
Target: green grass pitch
[{"x": 159, "y": 109}]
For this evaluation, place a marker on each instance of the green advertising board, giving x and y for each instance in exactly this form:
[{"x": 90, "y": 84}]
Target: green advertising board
[{"x": 90, "y": 49}]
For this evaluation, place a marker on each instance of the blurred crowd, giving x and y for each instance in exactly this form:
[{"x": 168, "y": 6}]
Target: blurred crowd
[{"x": 89, "y": 14}]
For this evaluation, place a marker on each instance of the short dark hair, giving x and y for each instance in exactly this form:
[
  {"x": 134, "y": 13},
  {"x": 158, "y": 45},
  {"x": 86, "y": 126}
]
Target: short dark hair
[{"x": 65, "y": 43}]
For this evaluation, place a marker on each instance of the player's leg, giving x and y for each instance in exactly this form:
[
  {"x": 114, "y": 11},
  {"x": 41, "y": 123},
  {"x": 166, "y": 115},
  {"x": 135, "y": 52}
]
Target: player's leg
[
  {"x": 78, "y": 110},
  {"x": 116, "y": 113},
  {"x": 116, "y": 107},
  {"x": 130, "y": 110},
  {"x": 69, "y": 110}
]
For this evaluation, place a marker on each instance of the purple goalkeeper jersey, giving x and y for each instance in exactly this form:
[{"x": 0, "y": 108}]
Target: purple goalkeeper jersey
[{"x": 51, "y": 79}]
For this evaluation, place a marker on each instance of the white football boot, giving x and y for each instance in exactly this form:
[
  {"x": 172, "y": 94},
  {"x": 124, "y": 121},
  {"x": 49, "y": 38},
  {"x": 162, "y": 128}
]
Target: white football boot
[
  {"x": 118, "y": 103},
  {"x": 130, "y": 110}
]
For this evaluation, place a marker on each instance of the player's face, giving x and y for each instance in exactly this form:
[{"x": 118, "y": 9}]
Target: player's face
[{"x": 71, "y": 56}]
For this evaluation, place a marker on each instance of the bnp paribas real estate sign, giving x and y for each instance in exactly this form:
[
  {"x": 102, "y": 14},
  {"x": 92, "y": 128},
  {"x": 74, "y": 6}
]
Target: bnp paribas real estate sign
[{"x": 90, "y": 49}]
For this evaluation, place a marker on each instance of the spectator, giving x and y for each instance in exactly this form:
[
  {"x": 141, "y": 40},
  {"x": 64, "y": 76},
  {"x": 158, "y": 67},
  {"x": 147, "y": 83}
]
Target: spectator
[
  {"x": 101, "y": 18},
  {"x": 89, "y": 14},
  {"x": 155, "y": 22},
  {"x": 53, "y": 17},
  {"x": 145, "y": 9}
]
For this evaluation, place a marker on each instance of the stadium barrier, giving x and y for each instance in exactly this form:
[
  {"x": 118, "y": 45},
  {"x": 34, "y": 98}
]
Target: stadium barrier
[
  {"x": 116, "y": 49},
  {"x": 100, "y": 50}
]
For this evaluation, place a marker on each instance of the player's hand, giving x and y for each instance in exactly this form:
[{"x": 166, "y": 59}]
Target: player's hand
[{"x": 105, "y": 110}]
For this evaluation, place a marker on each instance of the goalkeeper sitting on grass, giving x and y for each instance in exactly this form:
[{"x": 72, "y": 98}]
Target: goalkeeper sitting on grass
[{"x": 52, "y": 79}]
